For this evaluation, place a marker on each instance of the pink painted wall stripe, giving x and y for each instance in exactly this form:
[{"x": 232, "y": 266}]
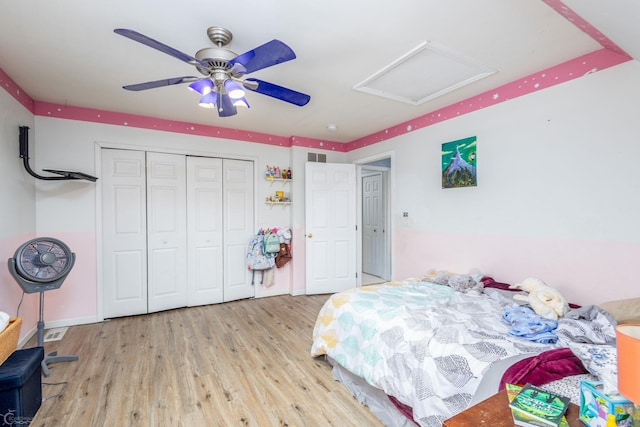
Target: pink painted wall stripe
[
  {"x": 114, "y": 118},
  {"x": 300, "y": 141},
  {"x": 578, "y": 67},
  {"x": 609, "y": 56},
  {"x": 16, "y": 91},
  {"x": 587, "y": 28}
]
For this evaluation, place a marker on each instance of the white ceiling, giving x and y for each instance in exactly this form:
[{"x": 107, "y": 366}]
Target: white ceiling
[{"x": 67, "y": 53}]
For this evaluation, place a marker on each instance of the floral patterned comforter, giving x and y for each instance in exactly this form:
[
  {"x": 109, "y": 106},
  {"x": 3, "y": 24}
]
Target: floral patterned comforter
[{"x": 425, "y": 344}]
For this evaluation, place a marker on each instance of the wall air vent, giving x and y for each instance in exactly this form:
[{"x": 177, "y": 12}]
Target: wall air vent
[{"x": 424, "y": 73}]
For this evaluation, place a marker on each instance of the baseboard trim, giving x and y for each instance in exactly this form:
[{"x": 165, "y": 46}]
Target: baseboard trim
[
  {"x": 272, "y": 293},
  {"x": 57, "y": 324}
]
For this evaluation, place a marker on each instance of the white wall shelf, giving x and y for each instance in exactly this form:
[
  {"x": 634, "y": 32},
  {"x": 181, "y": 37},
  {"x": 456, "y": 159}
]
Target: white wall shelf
[
  {"x": 277, "y": 203},
  {"x": 278, "y": 179}
]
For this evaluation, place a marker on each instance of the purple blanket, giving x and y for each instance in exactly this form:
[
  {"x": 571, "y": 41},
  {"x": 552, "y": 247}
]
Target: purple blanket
[{"x": 544, "y": 368}]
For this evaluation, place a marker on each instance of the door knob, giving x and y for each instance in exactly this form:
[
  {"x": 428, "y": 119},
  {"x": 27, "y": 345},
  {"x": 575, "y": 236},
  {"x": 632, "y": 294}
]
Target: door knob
[{"x": 309, "y": 235}]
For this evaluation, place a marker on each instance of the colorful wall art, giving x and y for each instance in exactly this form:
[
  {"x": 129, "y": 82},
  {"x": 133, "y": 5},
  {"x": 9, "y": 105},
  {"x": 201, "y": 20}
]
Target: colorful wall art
[{"x": 459, "y": 163}]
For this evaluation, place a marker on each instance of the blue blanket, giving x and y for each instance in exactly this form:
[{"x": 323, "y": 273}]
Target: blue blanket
[{"x": 525, "y": 323}]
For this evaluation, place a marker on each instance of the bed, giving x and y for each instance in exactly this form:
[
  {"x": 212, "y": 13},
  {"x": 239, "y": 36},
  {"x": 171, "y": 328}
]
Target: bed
[{"x": 425, "y": 348}]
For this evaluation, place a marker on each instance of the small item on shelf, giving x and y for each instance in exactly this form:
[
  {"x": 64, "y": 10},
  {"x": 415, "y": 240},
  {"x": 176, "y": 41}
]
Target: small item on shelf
[
  {"x": 274, "y": 172},
  {"x": 536, "y": 407},
  {"x": 280, "y": 196}
]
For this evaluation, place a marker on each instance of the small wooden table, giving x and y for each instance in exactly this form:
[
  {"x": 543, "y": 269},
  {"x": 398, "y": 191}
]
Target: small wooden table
[{"x": 495, "y": 412}]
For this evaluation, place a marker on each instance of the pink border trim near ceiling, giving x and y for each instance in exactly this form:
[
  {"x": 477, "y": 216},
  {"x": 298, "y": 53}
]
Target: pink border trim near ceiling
[
  {"x": 122, "y": 119},
  {"x": 586, "y": 64},
  {"x": 14, "y": 90},
  {"x": 587, "y": 28},
  {"x": 609, "y": 56}
]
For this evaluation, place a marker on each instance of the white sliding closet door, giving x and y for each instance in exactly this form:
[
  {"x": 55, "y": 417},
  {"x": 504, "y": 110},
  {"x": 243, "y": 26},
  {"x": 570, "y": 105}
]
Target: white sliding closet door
[
  {"x": 238, "y": 227},
  {"x": 175, "y": 230},
  {"x": 204, "y": 230},
  {"x": 124, "y": 229},
  {"x": 166, "y": 231}
]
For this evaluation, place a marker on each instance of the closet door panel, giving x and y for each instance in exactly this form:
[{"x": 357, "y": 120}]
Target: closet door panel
[
  {"x": 238, "y": 219},
  {"x": 167, "y": 233},
  {"x": 124, "y": 233},
  {"x": 204, "y": 235}
]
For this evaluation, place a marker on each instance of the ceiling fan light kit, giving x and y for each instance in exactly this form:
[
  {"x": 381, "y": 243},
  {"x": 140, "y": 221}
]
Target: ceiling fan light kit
[{"x": 223, "y": 86}]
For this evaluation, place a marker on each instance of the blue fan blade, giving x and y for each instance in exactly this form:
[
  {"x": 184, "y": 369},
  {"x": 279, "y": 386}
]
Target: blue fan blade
[
  {"x": 270, "y": 53},
  {"x": 141, "y": 38},
  {"x": 279, "y": 92},
  {"x": 226, "y": 107},
  {"x": 160, "y": 83}
]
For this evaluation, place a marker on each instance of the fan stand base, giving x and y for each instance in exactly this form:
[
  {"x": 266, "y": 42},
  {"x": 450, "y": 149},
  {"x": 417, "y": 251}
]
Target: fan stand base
[{"x": 53, "y": 356}]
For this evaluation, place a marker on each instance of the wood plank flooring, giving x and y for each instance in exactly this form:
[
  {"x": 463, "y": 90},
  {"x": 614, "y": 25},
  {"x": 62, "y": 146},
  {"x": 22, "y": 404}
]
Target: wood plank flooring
[{"x": 243, "y": 363}]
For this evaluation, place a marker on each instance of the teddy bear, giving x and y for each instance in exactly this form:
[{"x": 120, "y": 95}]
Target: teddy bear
[{"x": 545, "y": 300}]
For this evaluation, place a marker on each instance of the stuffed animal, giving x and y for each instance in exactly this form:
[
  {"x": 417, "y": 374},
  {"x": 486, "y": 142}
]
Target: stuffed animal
[{"x": 545, "y": 300}]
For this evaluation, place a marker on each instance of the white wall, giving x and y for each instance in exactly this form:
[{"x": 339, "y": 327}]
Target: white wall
[
  {"x": 557, "y": 195},
  {"x": 67, "y": 210},
  {"x": 17, "y": 210}
]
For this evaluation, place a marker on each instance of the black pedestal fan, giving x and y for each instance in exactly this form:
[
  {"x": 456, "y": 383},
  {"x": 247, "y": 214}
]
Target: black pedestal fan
[{"x": 41, "y": 265}]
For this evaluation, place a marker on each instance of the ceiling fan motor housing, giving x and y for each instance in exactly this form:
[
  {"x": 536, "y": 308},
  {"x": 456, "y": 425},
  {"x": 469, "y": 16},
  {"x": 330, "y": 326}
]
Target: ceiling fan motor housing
[{"x": 216, "y": 57}]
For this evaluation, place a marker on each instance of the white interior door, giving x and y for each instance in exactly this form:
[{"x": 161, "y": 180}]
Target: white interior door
[
  {"x": 204, "y": 230},
  {"x": 373, "y": 230},
  {"x": 238, "y": 220},
  {"x": 166, "y": 231},
  {"x": 124, "y": 229},
  {"x": 330, "y": 221}
]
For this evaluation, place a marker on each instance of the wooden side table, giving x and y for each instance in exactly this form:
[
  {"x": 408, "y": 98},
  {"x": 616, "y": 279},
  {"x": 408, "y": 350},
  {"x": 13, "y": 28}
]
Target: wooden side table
[{"x": 495, "y": 412}]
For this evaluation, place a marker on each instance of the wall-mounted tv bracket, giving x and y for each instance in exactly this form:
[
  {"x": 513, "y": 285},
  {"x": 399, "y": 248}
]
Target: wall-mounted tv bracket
[{"x": 64, "y": 175}]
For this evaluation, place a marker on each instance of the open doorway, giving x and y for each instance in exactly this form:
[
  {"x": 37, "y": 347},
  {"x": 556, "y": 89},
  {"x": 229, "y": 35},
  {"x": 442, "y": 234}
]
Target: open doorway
[{"x": 374, "y": 218}]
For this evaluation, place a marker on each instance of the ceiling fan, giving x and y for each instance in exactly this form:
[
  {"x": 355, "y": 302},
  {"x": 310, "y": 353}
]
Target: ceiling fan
[{"x": 223, "y": 86}]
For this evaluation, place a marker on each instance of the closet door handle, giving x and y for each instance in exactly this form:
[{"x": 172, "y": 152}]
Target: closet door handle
[{"x": 309, "y": 235}]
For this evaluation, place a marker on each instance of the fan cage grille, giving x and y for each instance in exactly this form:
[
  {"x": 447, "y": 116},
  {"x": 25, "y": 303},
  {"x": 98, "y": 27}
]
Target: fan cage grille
[{"x": 43, "y": 260}]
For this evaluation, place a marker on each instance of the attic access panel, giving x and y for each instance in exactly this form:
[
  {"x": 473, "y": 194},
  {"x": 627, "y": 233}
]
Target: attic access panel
[{"x": 424, "y": 73}]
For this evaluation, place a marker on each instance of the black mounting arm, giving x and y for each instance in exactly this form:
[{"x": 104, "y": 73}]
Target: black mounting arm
[{"x": 65, "y": 175}]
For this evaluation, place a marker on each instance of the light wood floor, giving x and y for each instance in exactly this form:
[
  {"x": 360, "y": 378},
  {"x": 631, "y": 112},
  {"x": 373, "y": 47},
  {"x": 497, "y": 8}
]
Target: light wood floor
[{"x": 244, "y": 363}]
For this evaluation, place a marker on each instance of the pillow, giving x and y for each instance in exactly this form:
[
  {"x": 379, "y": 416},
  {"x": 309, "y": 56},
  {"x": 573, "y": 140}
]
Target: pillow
[
  {"x": 4, "y": 320},
  {"x": 624, "y": 311},
  {"x": 600, "y": 360}
]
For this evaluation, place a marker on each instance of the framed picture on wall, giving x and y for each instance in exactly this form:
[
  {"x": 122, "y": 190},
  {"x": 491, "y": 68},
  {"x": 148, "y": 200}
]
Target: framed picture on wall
[{"x": 459, "y": 163}]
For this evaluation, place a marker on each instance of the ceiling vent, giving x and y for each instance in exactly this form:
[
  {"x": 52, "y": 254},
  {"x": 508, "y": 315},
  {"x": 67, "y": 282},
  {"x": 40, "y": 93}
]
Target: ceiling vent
[{"x": 424, "y": 73}]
